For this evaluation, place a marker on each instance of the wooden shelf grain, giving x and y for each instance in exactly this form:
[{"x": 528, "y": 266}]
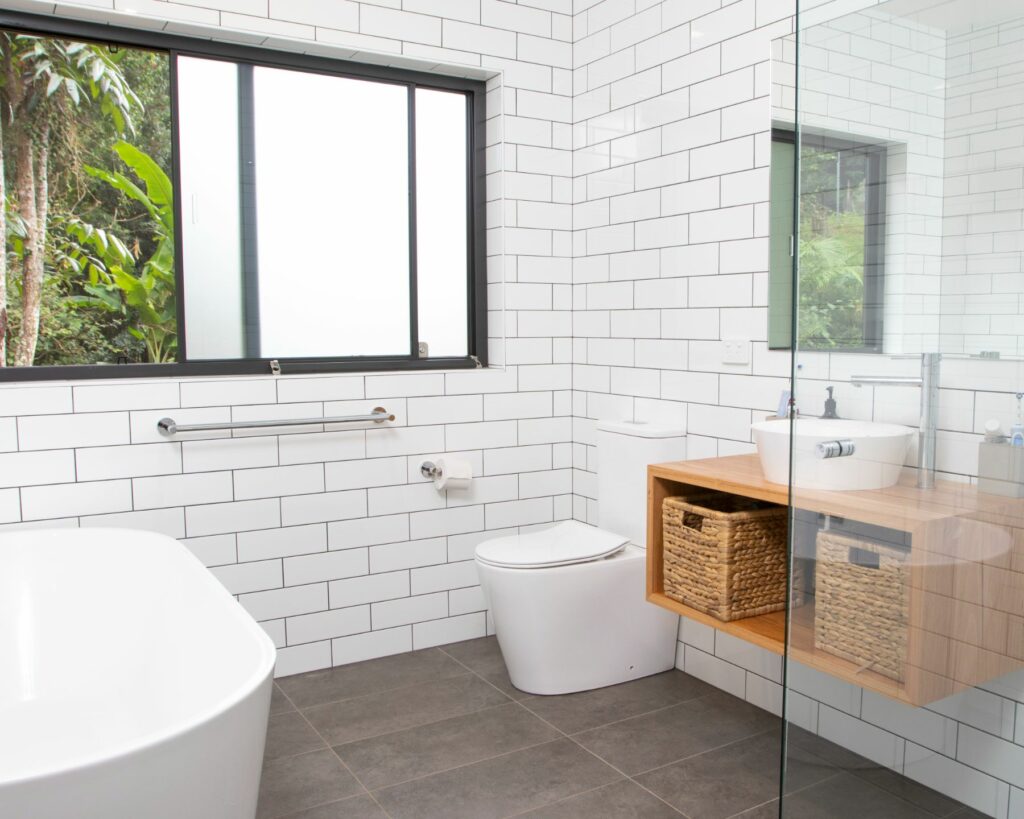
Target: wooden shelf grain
[{"x": 966, "y": 612}]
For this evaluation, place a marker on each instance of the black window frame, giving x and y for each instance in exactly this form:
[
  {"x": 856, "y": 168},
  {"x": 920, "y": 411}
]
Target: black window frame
[
  {"x": 180, "y": 45},
  {"x": 874, "y": 233}
]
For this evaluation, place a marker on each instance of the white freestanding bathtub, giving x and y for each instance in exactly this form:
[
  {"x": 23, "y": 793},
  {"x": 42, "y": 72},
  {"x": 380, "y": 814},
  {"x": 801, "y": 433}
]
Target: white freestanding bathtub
[{"x": 132, "y": 685}]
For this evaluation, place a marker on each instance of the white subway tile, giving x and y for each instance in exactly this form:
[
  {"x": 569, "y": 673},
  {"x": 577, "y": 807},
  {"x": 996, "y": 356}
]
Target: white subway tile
[
  {"x": 446, "y": 522},
  {"x": 449, "y": 630},
  {"x": 8, "y": 434},
  {"x": 70, "y": 499},
  {"x": 33, "y": 468},
  {"x": 67, "y": 431},
  {"x": 34, "y": 400},
  {"x": 322, "y": 446},
  {"x": 391, "y": 557},
  {"x": 241, "y": 578},
  {"x": 380, "y": 643},
  {"x": 324, "y": 625},
  {"x": 228, "y": 453},
  {"x": 302, "y": 658},
  {"x": 322, "y": 507},
  {"x": 331, "y": 388},
  {"x": 444, "y": 577},
  {"x": 406, "y": 385},
  {"x": 407, "y": 610},
  {"x": 968, "y": 785},
  {"x": 100, "y": 463},
  {"x": 445, "y": 410},
  {"x": 170, "y": 522},
  {"x": 371, "y": 588},
  {"x": 519, "y": 513},
  {"x": 182, "y": 490},
  {"x": 215, "y": 550},
  {"x": 286, "y": 602},
  {"x": 314, "y": 568},
  {"x": 291, "y": 540},
  {"x": 707, "y": 667},
  {"x": 217, "y": 392},
  {"x": 381, "y": 443},
  {"x": 464, "y": 601},
  {"x": 367, "y": 473},
  {"x": 109, "y": 397},
  {"x": 239, "y": 516},
  {"x": 278, "y": 481},
  {"x": 351, "y": 534}
]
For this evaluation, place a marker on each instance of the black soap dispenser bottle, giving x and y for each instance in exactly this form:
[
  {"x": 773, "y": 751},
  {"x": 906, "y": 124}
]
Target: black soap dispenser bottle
[{"x": 830, "y": 405}]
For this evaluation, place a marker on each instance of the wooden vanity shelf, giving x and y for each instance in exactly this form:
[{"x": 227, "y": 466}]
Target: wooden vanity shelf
[{"x": 966, "y": 587}]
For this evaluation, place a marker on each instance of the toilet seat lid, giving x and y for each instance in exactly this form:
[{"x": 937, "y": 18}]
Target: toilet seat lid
[{"x": 566, "y": 543}]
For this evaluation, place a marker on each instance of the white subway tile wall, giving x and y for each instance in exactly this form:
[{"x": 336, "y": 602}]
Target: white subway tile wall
[{"x": 627, "y": 227}]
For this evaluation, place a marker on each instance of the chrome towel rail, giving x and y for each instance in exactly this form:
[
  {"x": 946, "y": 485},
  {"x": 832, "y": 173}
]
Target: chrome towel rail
[{"x": 168, "y": 426}]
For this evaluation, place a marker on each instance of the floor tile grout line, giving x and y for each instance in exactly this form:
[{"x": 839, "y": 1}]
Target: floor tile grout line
[
  {"x": 701, "y": 753},
  {"x": 466, "y": 764},
  {"x": 605, "y": 761},
  {"x": 375, "y": 693},
  {"x": 422, "y": 724},
  {"x": 344, "y": 765},
  {"x": 568, "y": 737}
]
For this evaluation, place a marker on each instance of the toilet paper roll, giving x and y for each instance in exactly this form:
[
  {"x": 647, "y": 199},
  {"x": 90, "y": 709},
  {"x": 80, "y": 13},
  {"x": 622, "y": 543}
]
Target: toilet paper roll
[{"x": 454, "y": 473}]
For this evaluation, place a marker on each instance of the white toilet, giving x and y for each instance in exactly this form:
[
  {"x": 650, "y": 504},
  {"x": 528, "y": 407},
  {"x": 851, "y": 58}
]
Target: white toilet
[{"x": 568, "y": 602}]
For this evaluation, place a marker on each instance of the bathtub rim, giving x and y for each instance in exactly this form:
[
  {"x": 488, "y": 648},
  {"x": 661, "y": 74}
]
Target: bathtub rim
[{"x": 265, "y": 665}]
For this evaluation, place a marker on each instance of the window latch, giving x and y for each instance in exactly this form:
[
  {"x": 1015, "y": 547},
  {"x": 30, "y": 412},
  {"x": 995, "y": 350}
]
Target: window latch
[
  {"x": 476, "y": 361},
  {"x": 275, "y": 367},
  {"x": 423, "y": 350}
]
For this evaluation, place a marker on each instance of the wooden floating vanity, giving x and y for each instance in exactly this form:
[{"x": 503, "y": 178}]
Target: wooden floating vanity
[{"x": 965, "y": 621}]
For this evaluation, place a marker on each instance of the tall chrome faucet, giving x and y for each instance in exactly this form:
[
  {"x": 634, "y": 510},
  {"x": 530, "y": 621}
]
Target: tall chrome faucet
[{"x": 928, "y": 381}]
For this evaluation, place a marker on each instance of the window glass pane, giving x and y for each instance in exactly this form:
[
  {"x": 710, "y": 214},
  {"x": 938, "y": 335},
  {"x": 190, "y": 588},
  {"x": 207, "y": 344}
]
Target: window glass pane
[
  {"x": 211, "y": 250},
  {"x": 841, "y": 246},
  {"x": 332, "y": 199},
  {"x": 442, "y": 221},
  {"x": 780, "y": 283},
  {"x": 88, "y": 272}
]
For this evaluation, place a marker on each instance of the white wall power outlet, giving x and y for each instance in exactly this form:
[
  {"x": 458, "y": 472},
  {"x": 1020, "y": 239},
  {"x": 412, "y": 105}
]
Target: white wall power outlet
[{"x": 735, "y": 351}]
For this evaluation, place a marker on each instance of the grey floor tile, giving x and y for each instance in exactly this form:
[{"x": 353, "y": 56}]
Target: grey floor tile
[
  {"x": 573, "y": 713},
  {"x": 402, "y": 708},
  {"x": 915, "y": 793},
  {"x": 289, "y": 734},
  {"x": 723, "y": 782},
  {"x": 620, "y": 800},
  {"x": 691, "y": 727},
  {"x": 357, "y": 679},
  {"x": 499, "y": 787},
  {"x": 354, "y": 807},
  {"x": 279, "y": 703},
  {"x": 439, "y": 746},
  {"x": 294, "y": 783},
  {"x": 483, "y": 656},
  {"x": 849, "y": 797},
  {"x": 769, "y": 810}
]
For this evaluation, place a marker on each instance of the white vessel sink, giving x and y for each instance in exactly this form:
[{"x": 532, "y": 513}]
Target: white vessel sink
[{"x": 879, "y": 453}]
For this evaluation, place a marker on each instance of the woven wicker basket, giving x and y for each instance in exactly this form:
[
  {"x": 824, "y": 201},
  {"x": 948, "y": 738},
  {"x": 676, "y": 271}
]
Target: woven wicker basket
[
  {"x": 861, "y": 605},
  {"x": 725, "y": 555}
]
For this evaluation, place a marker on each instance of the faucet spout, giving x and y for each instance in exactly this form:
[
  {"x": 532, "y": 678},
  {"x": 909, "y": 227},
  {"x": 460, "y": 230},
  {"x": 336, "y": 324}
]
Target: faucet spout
[{"x": 928, "y": 381}]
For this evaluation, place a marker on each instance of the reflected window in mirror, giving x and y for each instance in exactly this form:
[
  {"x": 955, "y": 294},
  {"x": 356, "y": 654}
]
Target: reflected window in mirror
[{"x": 840, "y": 239}]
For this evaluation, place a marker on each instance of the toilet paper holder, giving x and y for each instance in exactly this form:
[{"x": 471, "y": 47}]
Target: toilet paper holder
[{"x": 428, "y": 469}]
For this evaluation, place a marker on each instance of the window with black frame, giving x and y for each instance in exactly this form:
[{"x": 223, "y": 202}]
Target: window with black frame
[
  {"x": 210, "y": 208},
  {"x": 840, "y": 241}
]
